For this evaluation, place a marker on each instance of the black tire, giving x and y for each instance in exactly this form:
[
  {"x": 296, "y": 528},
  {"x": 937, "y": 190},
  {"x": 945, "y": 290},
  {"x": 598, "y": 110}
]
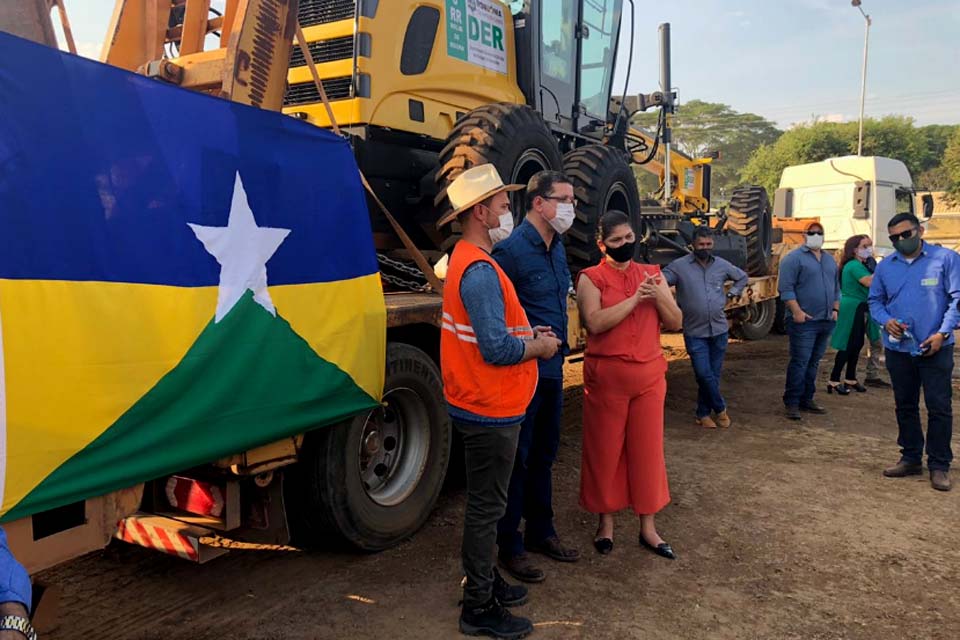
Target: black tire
[
  {"x": 748, "y": 215},
  {"x": 757, "y": 321},
  {"x": 327, "y": 493},
  {"x": 512, "y": 137},
  {"x": 602, "y": 181}
]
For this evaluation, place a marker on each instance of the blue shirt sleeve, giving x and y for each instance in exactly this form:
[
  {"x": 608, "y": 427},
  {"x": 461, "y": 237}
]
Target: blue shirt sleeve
[
  {"x": 483, "y": 299},
  {"x": 787, "y": 284},
  {"x": 951, "y": 273},
  {"x": 739, "y": 277},
  {"x": 670, "y": 275},
  {"x": 877, "y": 300},
  {"x": 14, "y": 581}
]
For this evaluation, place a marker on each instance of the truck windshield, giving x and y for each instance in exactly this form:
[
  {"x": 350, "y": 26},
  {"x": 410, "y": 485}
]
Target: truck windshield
[{"x": 905, "y": 201}]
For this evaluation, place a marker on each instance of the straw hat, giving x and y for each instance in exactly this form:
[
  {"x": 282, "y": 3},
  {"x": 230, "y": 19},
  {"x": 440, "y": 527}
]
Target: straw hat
[{"x": 472, "y": 186}]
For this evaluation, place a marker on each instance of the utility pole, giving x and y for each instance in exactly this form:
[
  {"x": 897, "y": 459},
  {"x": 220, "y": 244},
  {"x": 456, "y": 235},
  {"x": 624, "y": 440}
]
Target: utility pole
[{"x": 863, "y": 74}]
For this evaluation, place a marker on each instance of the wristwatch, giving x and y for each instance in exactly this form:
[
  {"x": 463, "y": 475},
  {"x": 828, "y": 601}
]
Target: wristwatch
[
  {"x": 945, "y": 334},
  {"x": 18, "y": 623}
]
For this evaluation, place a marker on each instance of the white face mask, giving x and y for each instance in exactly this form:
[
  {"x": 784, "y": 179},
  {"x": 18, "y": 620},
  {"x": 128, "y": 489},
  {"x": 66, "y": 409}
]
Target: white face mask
[
  {"x": 815, "y": 242},
  {"x": 865, "y": 253},
  {"x": 504, "y": 230},
  {"x": 564, "y": 218}
]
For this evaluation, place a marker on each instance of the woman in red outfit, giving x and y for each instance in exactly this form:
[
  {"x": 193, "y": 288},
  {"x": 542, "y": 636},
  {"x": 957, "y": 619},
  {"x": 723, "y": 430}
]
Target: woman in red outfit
[{"x": 623, "y": 304}]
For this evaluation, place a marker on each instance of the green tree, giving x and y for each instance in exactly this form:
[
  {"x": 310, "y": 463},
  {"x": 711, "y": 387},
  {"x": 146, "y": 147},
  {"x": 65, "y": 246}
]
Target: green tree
[
  {"x": 701, "y": 127},
  {"x": 920, "y": 149},
  {"x": 951, "y": 165}
]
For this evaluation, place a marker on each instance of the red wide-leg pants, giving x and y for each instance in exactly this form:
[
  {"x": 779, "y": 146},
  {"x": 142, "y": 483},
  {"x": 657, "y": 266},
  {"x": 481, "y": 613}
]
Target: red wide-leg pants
[{"x": 623, "y": 464}]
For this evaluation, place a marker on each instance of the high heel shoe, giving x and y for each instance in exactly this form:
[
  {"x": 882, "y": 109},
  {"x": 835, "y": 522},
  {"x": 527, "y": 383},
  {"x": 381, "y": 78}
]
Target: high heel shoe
[{"x": 839, "y": 388}]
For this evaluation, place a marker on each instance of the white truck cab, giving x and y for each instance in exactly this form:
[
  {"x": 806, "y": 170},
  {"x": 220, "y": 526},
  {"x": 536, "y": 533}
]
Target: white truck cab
[{"x": 850, "y": 195}]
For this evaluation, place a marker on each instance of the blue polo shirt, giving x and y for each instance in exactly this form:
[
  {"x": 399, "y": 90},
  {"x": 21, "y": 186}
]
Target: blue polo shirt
[
  {"x": 542, "y": 280},
  {"x": 813, "y": 283},
  {"x": 923, "y": 293}
]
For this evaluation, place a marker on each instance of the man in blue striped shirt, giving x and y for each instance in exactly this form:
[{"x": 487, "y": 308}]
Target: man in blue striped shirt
[{"x": 914, "y": 297}]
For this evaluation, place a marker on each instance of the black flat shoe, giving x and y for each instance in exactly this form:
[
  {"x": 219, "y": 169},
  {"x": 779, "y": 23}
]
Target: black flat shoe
[
  {"x": 603, "y": 545},
  {"x": 841, "y": 389},
  {"x": 663, "y": 549},
  {"x": 856, "y": 386}
]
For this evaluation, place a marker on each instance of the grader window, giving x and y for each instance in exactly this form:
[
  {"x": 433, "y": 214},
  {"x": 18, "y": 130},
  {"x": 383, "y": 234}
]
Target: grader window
[
  {"x": 601, "y": 24},
  {"x": 418, "y": 41},
  {"x": 558, "y": 46}
]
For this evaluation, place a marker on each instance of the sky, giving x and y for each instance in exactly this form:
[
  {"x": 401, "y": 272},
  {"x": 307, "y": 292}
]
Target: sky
[{"x": 787, "y": 60}]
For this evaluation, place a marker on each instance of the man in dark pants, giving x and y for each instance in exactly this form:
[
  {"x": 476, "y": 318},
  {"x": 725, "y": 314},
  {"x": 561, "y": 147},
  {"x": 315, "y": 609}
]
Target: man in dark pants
[
  {"x": 487, "y": 349},
  {"x": 914, "y": 296},
  {"x": 700, "y": 278},
  {"x": 534, "y": 259},
  {"x": 811, "y": 292}
]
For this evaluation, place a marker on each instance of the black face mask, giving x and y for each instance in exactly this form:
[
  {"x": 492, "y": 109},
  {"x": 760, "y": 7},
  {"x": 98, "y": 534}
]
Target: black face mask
[
  {"x": 623, "y": 253},
  {"x": 702, "y": 254}
]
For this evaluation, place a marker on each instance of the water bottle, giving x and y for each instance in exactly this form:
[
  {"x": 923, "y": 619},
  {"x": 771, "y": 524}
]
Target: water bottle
[{"x": 892, "y": 338}]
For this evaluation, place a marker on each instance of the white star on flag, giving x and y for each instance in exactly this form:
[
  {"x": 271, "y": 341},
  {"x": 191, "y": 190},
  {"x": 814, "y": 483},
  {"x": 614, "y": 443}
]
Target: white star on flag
[{"x": 242, "y": 249}]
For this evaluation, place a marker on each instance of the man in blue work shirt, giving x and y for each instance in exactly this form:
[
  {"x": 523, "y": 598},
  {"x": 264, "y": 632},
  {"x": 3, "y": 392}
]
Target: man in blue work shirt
[
  {"x": 914, "y": 297},
  {"x": 699, "y": 279},
  {"x": 15, "y": 595},
  {"x": 811, "y": 292},
  {"x": 534, "y": 259}
]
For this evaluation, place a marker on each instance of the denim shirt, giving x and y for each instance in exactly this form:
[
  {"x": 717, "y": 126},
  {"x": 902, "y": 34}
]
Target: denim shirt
[
  {"x": 542, "y": 280},
  {"x": 700, "y": 293},
  {"x": 813, "y": 283},
  {"x": 923, "y": 293},
  {"x": 14, "y": 581}
]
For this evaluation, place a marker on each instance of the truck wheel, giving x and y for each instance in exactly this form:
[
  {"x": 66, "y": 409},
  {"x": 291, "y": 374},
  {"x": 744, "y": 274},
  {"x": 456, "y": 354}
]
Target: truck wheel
[
  {"x": 757, "y": 322},
  {"x": 512, "y": 137},
  {"x": 373, "y": 481},
  {"x": 602, "y": 182},
  {"x": 749, "y": 216}
]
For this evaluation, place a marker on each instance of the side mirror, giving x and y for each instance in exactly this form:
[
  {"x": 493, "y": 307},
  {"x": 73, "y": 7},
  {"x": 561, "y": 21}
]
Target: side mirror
[{"x": 927, "y": 200}]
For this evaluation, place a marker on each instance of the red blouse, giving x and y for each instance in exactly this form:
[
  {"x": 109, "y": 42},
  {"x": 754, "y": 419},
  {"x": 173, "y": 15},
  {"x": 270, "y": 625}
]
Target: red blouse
[{"x": 637, "y": 337}]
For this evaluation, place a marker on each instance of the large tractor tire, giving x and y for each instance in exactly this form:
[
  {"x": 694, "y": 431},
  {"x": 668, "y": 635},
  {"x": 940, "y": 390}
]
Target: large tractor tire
[
  {"x": 748, "y": 215},
  {"x": 512, "y": 137},
  {"x": 372, "y": 481},
  {"x": 602, "y": 182},
  {"x": 757, "y": 321}
]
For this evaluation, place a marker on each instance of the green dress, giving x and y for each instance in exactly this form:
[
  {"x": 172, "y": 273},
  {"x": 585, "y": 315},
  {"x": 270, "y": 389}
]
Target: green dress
[{"x": 852, "y": 295}]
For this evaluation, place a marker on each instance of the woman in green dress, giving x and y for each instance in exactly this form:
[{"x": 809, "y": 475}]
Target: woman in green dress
[{"x": 853, "y": 321}]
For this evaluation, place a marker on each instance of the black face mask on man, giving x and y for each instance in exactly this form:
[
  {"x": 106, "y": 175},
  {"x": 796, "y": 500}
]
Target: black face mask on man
[{"x": 623, "y": 253}]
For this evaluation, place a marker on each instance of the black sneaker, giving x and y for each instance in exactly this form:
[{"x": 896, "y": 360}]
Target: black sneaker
[
  {"x": 878, "y": 383},
  {"x": 509, "y": 595},
  {"x": 792, "y": 412},
  {"x": 493, "y": 620}
]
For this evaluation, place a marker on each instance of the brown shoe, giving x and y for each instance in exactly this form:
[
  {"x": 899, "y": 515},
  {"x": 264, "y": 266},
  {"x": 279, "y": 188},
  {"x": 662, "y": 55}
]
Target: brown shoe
[
  {"x": 903, "y": 469},
  {"x": 940, "y": 480},
  {"x": 707, "y": 422},
  {"x": 553, "y": 548},
  {"x": 723, "y": 419},
  {"x": 521, "y": 568}
]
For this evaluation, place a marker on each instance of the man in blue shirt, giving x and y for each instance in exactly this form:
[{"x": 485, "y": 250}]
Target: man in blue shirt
[
  {"x": 810, "y": 289},
  {"x": 534, "y": 259},
  {"x": 914, "y": 297},
  {"x": 15, "y": 595},
  {"x": 699, "y": 279}
]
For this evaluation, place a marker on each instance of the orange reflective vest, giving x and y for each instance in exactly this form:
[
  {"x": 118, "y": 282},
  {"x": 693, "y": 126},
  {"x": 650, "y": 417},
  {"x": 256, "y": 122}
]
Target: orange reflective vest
[{"x": 469, "y": 382}]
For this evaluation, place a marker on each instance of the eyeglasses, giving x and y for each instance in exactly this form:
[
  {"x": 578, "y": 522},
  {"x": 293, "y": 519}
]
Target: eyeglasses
[
  {"x": 814, "y": 233},
  {"x": 905, "y": 235},
  {"x": 563, "y": 199}
]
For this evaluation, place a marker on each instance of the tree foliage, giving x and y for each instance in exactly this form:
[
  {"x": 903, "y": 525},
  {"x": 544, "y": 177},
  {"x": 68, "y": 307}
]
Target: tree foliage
[
  {"x": 921, "y": 149},
  {"x": 951, "y": 165},
  {"x": 701, "y": 127}
]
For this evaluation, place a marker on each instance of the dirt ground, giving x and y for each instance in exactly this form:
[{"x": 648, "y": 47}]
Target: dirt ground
[{"x": 782, "y": 531}]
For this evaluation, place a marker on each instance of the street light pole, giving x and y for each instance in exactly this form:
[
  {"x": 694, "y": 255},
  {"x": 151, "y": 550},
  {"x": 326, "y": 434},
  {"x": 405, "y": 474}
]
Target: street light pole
[{"x": 863, "y": 75}]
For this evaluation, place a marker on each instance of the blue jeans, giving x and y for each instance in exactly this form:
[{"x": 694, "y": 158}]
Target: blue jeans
[
  {"x": 530, "y": 496},
  {"x": 808, "y": 343},
  {"x": 706, "y": 356},
  {"x": 908, "y": 375}
]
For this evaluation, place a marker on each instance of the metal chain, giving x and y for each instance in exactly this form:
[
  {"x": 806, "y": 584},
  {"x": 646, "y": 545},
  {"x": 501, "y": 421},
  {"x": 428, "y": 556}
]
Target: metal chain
[{"x": 419, "y": 285}]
